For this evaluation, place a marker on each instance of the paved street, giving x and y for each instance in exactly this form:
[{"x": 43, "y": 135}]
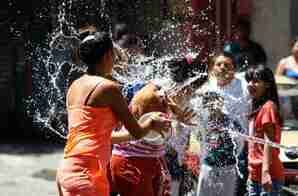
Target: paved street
[{"x": 28, "y": 169}]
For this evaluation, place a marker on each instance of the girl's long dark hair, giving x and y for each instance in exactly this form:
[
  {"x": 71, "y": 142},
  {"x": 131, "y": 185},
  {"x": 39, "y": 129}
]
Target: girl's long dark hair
[{"x": 264, "y": 74}]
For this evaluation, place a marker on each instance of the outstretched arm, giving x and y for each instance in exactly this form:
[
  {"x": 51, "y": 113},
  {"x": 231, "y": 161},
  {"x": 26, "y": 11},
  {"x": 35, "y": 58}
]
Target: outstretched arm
[
  {"x": 111, "y": 93},
  {"x": 266, "y": 178}
]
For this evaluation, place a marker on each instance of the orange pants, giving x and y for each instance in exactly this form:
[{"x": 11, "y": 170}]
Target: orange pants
[
  {"x": 82, "y": 176},
  {"x": 135, "y": 176}
]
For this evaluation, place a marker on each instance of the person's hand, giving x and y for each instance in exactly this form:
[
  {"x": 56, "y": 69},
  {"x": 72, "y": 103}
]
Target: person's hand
[
  {"x": 172, "y": 151},
  {"x": 183, "y": 115},
  {"x": 266, "y": 181},
  {"x": 160, "y": 123}
]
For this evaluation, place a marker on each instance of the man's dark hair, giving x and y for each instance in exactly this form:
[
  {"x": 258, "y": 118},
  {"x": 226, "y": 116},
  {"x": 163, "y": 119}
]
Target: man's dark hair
[
  {"x": 294, "y": 40},
  {"x": 244, "y": 25}
]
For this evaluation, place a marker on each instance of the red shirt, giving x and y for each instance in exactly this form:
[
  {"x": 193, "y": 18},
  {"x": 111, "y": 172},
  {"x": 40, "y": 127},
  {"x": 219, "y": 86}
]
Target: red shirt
[{"x": 267, "y": 114}]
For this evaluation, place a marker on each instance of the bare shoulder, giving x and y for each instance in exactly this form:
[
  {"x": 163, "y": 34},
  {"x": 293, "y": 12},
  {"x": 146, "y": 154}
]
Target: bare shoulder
[
  {"x": 108, "y": 91},
  {"x": 77, "y": 84},
  {"x": 270, "y": 105},
  {"x": 110, "y": 86}
]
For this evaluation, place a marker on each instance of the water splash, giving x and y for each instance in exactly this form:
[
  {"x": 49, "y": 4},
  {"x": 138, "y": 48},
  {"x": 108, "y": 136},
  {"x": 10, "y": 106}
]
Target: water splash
[
  {"x": 53, "y": 71},
  {"x": 237, "y": 137}
]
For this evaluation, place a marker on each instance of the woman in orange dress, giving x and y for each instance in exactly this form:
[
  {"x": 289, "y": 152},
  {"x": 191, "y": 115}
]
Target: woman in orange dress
[{"x": 95, "y": 107}]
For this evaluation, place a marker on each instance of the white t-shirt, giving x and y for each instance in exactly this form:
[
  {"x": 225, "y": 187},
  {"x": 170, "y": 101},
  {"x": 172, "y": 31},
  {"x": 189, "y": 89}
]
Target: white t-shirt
[{"x": 289, "y": 61}]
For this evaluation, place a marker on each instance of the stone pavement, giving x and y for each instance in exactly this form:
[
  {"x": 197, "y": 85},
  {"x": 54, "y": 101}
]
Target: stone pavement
[{"x": 29, "y": 169}]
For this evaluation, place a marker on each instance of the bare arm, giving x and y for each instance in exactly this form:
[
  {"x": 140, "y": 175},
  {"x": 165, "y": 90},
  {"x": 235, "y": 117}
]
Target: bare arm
[
  {"x": 113, "y": 98},
  {"x": 121, "y": 136},
  {"x": 280, "y": 69},
  {"x": 183, "y": 115},
  {"x": 120, "y": 107},
  {"x": 269, "y": 135}
]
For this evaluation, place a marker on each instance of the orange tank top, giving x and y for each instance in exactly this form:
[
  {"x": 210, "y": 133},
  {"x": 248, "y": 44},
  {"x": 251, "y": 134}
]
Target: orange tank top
[{"x": 90, "y": 131}]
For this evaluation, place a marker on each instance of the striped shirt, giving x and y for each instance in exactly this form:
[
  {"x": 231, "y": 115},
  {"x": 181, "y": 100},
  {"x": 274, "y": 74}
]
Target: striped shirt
[{"x": 139, "y": 148}]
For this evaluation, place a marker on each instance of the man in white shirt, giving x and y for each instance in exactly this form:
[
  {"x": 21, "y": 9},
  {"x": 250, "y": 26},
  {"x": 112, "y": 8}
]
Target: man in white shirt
[{"x": 236, "y": 106}]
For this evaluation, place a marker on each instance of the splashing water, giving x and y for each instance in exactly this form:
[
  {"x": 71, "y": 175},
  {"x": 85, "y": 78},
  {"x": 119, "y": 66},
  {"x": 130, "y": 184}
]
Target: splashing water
[
  {"x": 237, "y": 137},
  {"x": 53, "y": 71}
]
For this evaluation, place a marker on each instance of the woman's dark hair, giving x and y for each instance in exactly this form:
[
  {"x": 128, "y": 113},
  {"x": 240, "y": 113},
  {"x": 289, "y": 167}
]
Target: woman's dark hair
[
  {"x": 93, "y": 48},
  {"x": 83, "y": 33},
  {"x": 264, "y": 74}
]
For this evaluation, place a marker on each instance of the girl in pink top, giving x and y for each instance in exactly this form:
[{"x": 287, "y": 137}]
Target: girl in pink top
[{"x": 95, "y": 107}]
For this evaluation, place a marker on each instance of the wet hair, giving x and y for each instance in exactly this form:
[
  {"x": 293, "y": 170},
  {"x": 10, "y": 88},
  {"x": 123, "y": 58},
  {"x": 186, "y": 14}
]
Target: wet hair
[
  {"x": 93, "y": 48},
  {"x": 83, "y": 33},
  {"x": 263, "y": 73},
  {"x": 147, "y": 100}
]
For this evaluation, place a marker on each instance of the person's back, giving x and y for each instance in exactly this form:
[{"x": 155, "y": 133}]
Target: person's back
[
  {"x": 88, "y": 140},
  {"x": 90, "y": 126}
]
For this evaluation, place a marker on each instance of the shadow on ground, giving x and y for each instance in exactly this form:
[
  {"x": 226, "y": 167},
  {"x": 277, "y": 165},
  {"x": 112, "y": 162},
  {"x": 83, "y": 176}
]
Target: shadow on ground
[{"x": 14, "y": 142}]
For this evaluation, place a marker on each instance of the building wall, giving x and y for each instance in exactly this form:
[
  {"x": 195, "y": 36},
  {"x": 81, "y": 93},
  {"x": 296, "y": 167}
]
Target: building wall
[
  {"x": 293, "y": 17},
  {"x": 271, "y": 27}
]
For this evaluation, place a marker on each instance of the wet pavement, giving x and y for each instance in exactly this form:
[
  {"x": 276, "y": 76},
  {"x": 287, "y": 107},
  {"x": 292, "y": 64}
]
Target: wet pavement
[{"x": 29, "y": 169}]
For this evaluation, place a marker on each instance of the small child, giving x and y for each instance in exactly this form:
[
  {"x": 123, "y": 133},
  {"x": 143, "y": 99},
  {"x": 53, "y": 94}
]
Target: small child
[{"x": 218, "y": 173}]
